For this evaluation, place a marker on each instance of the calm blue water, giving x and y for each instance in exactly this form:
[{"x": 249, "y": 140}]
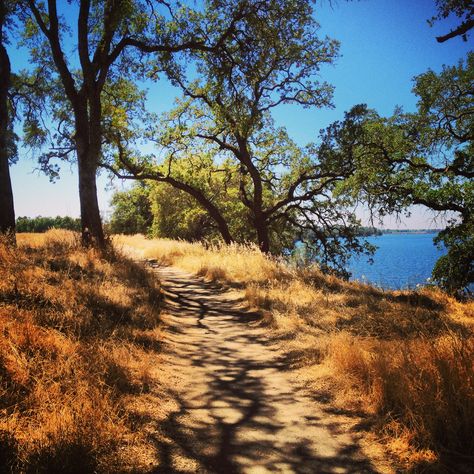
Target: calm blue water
[{"x": 401, "y": 261}]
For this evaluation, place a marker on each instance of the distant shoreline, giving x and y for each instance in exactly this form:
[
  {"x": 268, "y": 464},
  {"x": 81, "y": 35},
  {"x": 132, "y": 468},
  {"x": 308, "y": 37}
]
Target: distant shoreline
[
  {"x": 410, "y": 231},
  {"x": 375, "y": 231}
]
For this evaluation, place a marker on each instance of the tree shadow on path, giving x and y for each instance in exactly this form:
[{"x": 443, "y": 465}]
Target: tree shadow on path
[{"x": 237, "y": 410}]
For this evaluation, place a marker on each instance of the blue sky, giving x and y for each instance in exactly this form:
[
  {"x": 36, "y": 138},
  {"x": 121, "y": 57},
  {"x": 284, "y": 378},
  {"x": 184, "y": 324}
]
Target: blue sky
[{"x": 384, "y": 44}]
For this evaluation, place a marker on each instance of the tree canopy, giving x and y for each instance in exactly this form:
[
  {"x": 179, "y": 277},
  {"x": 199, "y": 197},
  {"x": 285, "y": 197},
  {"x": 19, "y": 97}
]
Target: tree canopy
[
  {"x": 222, "y": 166},
  {"x": 131, "y": 211},
  {"x": 225, "y": 117},
  {"x": 425, "y": 158},
  {"x": 42, "y": 224},
  {"x": 112, "y": 40}
]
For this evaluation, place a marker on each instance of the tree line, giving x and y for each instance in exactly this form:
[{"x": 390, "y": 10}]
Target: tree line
[
  {"x": 42, "y": 224},
  {"x": 221, "y": 163}
]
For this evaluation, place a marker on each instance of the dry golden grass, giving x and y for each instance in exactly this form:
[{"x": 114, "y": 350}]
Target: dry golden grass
[
  {"x": 404, "y": 357},
  {"x": 77, "y": 333},
  {"x": 219, "y": 262}
]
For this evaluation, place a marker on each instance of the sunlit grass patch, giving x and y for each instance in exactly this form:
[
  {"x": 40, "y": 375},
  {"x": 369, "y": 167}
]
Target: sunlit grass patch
[
  {"x": 236, "y": 263},
  {"x": 79, "y": 335}
]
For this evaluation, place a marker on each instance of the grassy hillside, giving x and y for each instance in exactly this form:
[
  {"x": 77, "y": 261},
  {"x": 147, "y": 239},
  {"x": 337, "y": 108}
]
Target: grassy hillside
[
  {"x": 404, "y": 358},
  {"x": 78, "y": 334}
]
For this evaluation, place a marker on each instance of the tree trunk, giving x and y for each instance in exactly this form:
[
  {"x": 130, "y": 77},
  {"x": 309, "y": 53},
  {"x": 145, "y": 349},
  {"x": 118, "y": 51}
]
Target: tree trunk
[
  {"x": 91, "y": 224},
  {"x": 222, "y": 226},
  {"x": 256, "y": 204},
  {"x": 262, "y": 234},
  {"x": 88, "y": 144},
  {"x": 7, "y": 211}
]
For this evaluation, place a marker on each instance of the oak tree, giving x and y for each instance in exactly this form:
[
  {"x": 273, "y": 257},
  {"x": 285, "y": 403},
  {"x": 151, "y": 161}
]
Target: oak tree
[
  {"x": 92, "y": 44},
  {"x": 272, "y": 57},
  {"x": 424, "y": 158}
]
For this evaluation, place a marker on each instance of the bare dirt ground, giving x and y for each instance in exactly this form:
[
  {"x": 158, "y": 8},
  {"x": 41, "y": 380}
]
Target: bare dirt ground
[{"x": 231, "y": 405}]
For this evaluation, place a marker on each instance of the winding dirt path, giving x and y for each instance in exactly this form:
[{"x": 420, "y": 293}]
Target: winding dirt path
[{"x": 235, "y": 408}]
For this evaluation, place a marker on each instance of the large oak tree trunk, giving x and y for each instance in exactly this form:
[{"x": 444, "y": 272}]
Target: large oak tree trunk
[
  {"x": 88, "y": 144},
  {"x": 91, "y": 224},
  {"x": 262, "y": 235},
  {"x": 7, "y": 211},
  {"x": 222, "y": 226},
  {"x": 92, "y": 232}
]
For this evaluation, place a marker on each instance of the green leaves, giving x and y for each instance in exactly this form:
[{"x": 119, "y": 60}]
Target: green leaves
[
  {"x": 34, "y": 134},
  {"x": 455, "y": 271},
  {"x": 132, "y": 212},
  {"x": 423, "y": 158}
]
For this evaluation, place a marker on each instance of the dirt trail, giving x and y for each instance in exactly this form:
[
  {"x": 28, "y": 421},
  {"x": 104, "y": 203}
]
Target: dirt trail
[{"x": 235, "y": 407}]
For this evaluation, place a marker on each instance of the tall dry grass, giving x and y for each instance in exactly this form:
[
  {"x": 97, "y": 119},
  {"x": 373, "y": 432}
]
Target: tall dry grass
[
  {"x": 404, "y": 357},
  {"x": 76, "y": 332},
  {"x": 218, "y": 262}
]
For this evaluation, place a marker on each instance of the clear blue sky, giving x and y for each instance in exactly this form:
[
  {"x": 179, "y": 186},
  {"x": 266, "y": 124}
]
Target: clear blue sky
[{"x": 384, "y": 44}]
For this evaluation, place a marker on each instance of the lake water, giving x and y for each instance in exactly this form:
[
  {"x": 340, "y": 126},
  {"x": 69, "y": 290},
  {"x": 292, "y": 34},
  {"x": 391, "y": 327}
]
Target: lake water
[{"x": 401, "y": 261}]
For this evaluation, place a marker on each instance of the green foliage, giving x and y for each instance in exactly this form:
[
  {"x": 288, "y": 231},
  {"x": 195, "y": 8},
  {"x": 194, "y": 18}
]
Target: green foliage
[
  {"x": 42, "y": 224},
  {"x": 163, "y": 210},
  {"x": 422, "y": 158},
  {"x": 455, "y": 270},
  {"x": 177, "y": 215},
  {"x": 42, "y": 100},
  {"x": 131, "y": 211},
  {"x": 280, "y": 193},
  {"x": 215, "y": 180}
]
